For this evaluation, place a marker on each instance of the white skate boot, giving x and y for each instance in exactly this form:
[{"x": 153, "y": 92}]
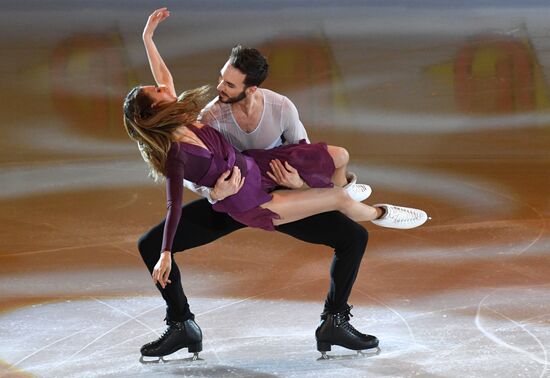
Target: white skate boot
[
  {"x": 357, "y": 192},
  {"x": 400, "y": 217}
]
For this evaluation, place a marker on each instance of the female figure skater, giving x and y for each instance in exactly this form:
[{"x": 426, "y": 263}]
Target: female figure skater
[{"x": 176, "y": 147}]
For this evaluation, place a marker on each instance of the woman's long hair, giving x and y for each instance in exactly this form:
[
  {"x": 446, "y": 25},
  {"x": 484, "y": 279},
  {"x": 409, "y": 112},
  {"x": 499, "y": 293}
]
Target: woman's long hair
[{"x": 152, "y": 128}]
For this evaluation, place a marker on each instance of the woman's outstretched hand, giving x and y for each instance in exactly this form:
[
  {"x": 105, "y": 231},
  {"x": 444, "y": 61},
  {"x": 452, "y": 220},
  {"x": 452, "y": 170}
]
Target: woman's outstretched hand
[
  {"x": 154, "y": 20},
  {"x": 162, "y": 269}
]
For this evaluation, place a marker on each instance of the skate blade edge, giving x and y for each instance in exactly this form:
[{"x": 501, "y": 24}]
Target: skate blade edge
[
  {"x": 358, "y": 354},
  {"x": 145, "y": 360}
]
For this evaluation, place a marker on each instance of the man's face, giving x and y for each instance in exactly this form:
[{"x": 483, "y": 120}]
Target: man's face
[{"x": 231, "y": 86}]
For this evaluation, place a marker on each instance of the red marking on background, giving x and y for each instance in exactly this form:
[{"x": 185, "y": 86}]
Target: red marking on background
[
  {"x": 87, "y": 74},
  {"x": 511, "y": 88}
]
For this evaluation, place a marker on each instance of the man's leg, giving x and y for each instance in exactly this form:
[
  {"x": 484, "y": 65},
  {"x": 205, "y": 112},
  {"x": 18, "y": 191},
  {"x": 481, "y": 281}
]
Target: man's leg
[
  {"x": 199, "y": 225},
  {"x": 349, "y": 240}
]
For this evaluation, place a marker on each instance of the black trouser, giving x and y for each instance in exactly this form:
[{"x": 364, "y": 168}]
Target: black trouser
[{"x": 200, "y": 225}]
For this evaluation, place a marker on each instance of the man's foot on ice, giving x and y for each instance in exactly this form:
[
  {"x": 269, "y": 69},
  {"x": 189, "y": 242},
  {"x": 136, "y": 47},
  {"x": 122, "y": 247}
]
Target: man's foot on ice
[
  {"x": 178, "y": 335},
  {"x": 357, "y": 192},
  {"x": 400, "y": 217},
  {"x": 335, "y": 329}
]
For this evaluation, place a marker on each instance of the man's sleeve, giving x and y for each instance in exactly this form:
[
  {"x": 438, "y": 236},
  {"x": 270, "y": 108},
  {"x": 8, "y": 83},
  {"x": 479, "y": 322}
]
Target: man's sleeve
[
  {"x": 202, "y": 191},
  {"x": 293, "y": 129},
  {"x": 207, "y": 117}
]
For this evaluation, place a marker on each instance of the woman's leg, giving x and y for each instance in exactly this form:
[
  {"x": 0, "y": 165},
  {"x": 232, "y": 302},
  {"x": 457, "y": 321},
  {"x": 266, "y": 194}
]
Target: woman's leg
[
  {"x": 292, "y": 205},
  {"x": 345, "y": 179}
]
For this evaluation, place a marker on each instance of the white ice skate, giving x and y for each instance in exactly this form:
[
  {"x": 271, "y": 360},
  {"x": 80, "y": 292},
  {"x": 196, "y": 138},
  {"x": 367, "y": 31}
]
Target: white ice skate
[
  {"x": 357, "y": 192},
  {"x": 401, "y": 217}
]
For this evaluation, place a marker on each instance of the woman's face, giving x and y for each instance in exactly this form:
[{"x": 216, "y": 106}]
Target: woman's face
[{"x": 159, "y": 94}]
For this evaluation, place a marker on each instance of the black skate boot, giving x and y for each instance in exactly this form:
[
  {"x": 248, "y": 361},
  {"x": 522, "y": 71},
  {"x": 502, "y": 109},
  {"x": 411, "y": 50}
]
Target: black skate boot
[
  {"x": 336, "y": 330},
  {"x": 178, "y": 335}
]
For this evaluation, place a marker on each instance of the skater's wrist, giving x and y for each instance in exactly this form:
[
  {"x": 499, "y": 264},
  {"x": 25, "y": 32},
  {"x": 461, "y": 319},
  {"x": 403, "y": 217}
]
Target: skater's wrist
[{"x": 215, "y": 195}]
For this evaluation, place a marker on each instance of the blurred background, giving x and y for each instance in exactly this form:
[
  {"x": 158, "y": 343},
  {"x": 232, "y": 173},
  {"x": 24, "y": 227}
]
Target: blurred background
[{"x": 443, "y": 106}]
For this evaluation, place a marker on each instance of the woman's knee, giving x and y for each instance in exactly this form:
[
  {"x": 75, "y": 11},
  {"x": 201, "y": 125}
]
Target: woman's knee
[{"x": 339, "y": 155}]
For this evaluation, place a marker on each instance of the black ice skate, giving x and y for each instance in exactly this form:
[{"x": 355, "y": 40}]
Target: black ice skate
[
  {"x": 336, "y": 330},
  {"x": 178, "y": 335}
]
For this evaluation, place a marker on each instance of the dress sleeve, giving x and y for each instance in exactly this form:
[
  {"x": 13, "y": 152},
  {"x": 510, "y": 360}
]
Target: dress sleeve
[
  {"x": 293, "y": 129},
  {"x": 174, "y": 192}
]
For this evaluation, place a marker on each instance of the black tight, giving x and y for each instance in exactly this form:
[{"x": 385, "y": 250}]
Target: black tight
[{"x": 200, "y": 225}]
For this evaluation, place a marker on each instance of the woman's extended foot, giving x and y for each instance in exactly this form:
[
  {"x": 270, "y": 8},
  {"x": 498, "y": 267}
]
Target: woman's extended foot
[{"x": 400, "y": 217}]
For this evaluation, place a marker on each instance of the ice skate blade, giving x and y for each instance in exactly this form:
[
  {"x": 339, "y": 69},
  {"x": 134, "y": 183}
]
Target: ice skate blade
[
  {"x": 151, "y": 360},
  {"x": 359, "y": 354},
  {"x": 161, "y": 360}
]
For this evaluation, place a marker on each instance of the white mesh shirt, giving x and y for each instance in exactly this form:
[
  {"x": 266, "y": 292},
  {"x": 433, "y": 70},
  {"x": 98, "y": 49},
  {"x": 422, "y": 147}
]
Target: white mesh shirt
[{"x": 279, "y": 119}]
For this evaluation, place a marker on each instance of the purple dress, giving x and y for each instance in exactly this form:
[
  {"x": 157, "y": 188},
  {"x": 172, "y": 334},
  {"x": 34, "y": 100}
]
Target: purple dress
[{"x": 204, "y": 167}]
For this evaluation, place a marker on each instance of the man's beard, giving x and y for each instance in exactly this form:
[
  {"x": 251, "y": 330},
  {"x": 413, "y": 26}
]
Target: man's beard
[{"x": 232, "y": 100}]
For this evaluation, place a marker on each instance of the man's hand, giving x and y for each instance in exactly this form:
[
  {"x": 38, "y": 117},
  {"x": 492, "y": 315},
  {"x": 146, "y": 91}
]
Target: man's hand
[
  {"x": 227, "y": 187},
  {"x": 285, "y": 175},
  {"x": 162, "y": 269},
  {"x": 154, "y": 20}
]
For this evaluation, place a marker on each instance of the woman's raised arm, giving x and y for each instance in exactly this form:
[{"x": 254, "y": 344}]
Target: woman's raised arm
[{"x": 160, "y": 72}]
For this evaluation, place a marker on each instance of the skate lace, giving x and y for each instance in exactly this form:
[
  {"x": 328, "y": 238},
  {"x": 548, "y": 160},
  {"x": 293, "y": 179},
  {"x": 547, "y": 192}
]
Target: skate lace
[
  {"x": 347, "y": 315},
  {"x": 165, "y": 334},
  {"x": 167, "y": 331},
  {"x": 401, "y": 214}
]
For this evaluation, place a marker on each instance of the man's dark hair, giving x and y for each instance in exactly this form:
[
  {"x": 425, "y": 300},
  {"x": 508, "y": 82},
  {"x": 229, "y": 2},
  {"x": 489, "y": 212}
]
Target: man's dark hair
[{"x": 251, "y": 63}]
